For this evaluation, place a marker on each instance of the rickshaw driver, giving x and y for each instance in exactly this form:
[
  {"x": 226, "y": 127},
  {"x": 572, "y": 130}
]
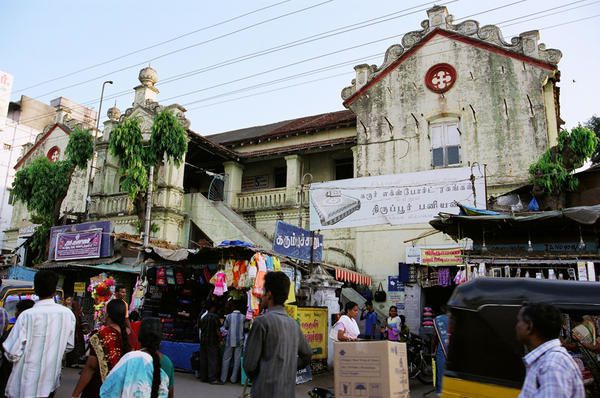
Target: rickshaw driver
[{"x": 551, "y": 372}]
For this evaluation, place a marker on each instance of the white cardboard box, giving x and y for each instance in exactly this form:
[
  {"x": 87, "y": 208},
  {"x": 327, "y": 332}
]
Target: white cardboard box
[{"x": 370, "y": 369}]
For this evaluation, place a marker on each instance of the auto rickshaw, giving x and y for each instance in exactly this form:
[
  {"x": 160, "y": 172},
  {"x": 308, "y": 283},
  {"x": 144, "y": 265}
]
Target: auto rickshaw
[
  {"x": 12, "y": 291},
  {"x": 484, "y": 356}
]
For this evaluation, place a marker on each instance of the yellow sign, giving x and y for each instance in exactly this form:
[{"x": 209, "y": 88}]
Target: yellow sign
[
  {"x": 437, "y": 257},
  {"x": 313, "y": 323},
  {"x": 79, "y": 287},
  {"x": 292, "y": 310}
]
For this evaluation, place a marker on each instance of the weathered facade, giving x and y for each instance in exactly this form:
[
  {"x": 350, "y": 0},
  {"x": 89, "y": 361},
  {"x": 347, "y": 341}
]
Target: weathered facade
[
  {"x": 107, "y": 199},
  {"x": 51, "y": 141},
  {"x": 451, "y": 96}
]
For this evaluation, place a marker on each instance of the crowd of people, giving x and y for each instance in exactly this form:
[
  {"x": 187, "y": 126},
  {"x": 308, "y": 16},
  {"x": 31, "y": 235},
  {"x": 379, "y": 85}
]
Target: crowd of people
[
  {"x": 44, "y": 331},
  {"x": 273, "y": 347}
]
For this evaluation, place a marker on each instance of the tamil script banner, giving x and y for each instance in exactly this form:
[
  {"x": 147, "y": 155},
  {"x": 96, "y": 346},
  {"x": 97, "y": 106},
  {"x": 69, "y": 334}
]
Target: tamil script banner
[
  {"x": 313, "y": 323},
  {"x": 438, "y": 257},
  {"x": 106, "y": 244},
  {"x": 292, "y": 241},
  {"x": 78, "y": 245},
  {"x": 410, "y": 198}
]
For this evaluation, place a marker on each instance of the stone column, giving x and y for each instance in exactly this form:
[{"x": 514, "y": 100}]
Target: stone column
[
  {"x": 294, "y": 174},
  {"x": 234, "y": 172},
  {"x": 354, "y": 150}
]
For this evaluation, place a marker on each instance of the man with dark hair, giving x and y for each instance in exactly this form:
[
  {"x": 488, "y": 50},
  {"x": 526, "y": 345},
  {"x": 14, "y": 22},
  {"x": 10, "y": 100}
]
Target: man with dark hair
[
  {"x": 276, "y": 347},
  {"x": 551, "y": 372},
  {"x": 38, "y": 341},
  {"x": 370, "y": 318}
]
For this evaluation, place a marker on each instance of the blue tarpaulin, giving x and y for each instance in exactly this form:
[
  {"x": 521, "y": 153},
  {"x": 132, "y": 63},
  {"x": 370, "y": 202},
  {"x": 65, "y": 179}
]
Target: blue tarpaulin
[{"x": 21, "y": 273}]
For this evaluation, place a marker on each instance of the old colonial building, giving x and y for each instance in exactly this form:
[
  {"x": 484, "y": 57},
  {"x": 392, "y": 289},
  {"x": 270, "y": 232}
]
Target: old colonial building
[
  {"x": 43, "y": 130},
  {"x": 449, "y": 96}
]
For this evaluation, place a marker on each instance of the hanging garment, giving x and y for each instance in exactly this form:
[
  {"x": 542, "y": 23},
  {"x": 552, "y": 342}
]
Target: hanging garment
[
  {"x": 229, "y": 272},
  {"x": 179, "y": 279},
  {"x": 276, "y": 264},
  {"x": 170, "y": 276},
  {"x": 236, "y": 275},
  {"x": 243, "y": 280},
  {"x": 220, "y": 284},
  {"x": 161, "y": 277},
  {"x": 259, "y": 284},
  {"x": 269, "y": 263}
]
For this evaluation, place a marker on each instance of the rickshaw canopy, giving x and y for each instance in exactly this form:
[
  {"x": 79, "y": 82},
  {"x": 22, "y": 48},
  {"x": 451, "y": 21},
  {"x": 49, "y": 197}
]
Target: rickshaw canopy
[{"x": 482, "y": 292}]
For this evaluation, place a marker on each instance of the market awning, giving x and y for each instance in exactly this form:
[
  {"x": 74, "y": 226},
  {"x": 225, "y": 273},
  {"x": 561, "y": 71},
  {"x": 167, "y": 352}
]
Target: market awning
[
  {"x": 103, "y": 264},
  {"x": 346, "y": 275}
]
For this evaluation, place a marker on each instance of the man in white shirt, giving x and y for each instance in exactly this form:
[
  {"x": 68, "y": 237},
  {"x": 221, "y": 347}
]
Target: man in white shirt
[{"x": 38, "y": 341}]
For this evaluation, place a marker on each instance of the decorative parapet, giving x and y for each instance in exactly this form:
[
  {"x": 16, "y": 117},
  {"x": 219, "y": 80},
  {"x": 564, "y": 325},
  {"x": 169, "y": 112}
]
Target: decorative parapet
[{"x": 527, "y": 44}]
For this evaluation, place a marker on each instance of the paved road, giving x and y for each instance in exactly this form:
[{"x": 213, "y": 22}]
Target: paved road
[{"x": 186, "y": 385}]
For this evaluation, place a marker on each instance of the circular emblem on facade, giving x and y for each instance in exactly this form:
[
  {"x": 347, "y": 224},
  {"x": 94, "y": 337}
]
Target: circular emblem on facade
[
  {"x": 53, "y": 154},
  {"x": 440, "y": 78}
]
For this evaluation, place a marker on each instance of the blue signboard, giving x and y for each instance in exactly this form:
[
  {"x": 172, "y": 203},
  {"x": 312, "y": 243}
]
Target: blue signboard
[{"x": 295, "y": 242}]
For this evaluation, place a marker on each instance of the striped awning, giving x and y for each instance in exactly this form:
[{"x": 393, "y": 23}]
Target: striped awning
[{"x": 345, "y": 275}]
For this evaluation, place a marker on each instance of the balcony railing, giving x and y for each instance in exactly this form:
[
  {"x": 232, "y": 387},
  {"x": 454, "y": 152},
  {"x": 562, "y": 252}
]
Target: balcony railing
[
  {"x": 270, "y": 199},
  {"x": 113, "y": 204}
]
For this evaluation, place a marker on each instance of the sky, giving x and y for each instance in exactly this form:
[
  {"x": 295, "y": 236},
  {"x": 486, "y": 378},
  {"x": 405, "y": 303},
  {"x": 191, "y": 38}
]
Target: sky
[{"x": 241, "y": 63}]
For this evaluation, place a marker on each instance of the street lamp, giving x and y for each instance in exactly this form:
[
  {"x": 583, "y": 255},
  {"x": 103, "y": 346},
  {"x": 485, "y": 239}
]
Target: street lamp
[{"x": 88, "y": 198}]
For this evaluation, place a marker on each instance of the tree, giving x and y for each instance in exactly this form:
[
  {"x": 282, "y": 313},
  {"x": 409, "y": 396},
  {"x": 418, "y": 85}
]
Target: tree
[
  {"x": 43, "y": 185},
  {"x": 552, "y": 175},
  {"x": 594, "y": 124},
  {"x": 168, "y": 142}
]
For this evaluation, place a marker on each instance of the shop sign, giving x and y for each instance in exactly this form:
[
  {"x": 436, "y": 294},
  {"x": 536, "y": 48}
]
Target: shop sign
[
  {"x": 313, "y": 323},
  {"x": 106, "y": 243},
  {"x": 440, "y": 257},
  {"x": 295, "y": 242},
  {"x": 28, "y": 230},
  {"x": 394, "y": 284},
  {"x": 79, "y": 287},
  {"x": 410, "y": 198},
  {"x": 78, "y": 245}
]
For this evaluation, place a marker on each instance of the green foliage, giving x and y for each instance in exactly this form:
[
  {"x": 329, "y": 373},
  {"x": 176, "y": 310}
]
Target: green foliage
[
  {"x": 553, "y": 172},
  {"x": 594, "y": 124},
  {"x": 168, "y": 139},
  {"x": 42, "y": 185},
  {"x": 139, "y": 227},
  {"x": 80, "y": 148}
]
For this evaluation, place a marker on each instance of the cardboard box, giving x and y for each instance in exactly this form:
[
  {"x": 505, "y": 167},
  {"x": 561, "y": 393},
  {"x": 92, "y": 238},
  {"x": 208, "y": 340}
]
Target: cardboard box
[{"x": 370, "y": 369}]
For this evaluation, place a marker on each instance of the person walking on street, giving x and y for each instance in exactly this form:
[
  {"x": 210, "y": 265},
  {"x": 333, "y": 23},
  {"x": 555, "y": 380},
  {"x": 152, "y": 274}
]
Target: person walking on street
[
  {"x": 346, "y": 328},
  {"x": 209, "y": 345},
  {"x": 38, "y": 341},
  {"x": 551, "y": 371},
  {"x": 370, "y": 318},
  {"x": 234, "y": 343},
  {"x": 276, "y": 347},
  {"x": 392, "y": 328},
  {"x": 107, "y": 346}
]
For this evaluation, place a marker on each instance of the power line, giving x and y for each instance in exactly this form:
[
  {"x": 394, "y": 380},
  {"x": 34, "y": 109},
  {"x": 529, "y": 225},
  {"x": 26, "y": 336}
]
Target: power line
[
  {"x": 285, "y": 46},
  {"x": 190, "y": 46},
  {"x": 153, "y": 45},
  {"x": 323, "y": 55}
]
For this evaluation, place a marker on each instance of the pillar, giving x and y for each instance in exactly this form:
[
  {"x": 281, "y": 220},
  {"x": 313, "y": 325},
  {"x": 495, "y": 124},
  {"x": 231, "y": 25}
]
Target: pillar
[
  {"x": 234, "y": 172},
  {"x": 294, "y": 174}
]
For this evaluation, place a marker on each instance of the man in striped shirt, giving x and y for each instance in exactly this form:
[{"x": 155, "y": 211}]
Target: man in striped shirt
[
  {"x": 38, "y": 341},
  {"x": 233, "y": 328},
  {"x": 551, "y": 372}
]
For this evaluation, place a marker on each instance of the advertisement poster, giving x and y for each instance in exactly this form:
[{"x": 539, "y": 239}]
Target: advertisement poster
[
  {"x": 442, "y": 257},
  {"x": 292, "y": 241},
  {"x": 78, "y": 245},
  {"x": 106, "y": 246},
  {"x": 313, "y": 323},
  {"x": 410, "y": 198}
]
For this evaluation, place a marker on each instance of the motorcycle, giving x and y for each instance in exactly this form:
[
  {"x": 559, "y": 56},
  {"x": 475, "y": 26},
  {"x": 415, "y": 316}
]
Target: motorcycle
[{"x": 420, "y": 365}]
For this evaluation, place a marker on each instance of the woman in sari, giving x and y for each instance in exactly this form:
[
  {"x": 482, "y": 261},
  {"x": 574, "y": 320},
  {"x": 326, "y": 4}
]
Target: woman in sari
[
  {"x": 143, "y": 373},
  {"x": 107, "y": 346}
]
